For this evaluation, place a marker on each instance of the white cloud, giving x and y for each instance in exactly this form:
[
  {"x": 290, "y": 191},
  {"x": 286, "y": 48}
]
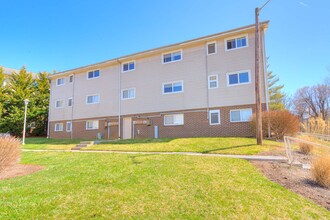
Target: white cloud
[{"x": 304, "y": 4}]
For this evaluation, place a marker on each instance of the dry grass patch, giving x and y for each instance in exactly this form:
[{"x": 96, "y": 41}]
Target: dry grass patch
[
  {"x": 10, "y": 151},
  {"x": 306, "y": 148},
  {"x": 321, "y": 171}
]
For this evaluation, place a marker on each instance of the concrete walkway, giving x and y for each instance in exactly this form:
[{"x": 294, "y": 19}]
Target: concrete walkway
[{"x": 246, "y": 157}]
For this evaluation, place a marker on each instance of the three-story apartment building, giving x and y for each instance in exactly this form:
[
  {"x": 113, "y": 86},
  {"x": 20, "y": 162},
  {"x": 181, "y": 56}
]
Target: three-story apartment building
[{"x": 201, "y": 87}]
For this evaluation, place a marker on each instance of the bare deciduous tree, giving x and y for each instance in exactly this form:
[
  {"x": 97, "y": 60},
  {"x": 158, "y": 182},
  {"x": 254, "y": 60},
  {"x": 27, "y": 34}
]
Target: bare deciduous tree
[{"x": 312, "y": 101}]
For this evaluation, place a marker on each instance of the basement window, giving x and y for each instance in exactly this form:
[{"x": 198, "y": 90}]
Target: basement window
[
  {"x": 68, "y": 126},
  {"x": 175, "y": 119},
  {"x": 214, "y": 117},
  {"x": 92, "y": 125},
  {"x": 240, "y": 115},
  {"x": 59, "y": 127}
]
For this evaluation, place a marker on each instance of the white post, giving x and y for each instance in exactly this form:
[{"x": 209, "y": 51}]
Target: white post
[{"x": 26, "y": 102}]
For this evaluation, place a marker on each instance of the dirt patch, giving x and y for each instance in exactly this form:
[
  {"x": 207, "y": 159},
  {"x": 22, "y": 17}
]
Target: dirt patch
[
  {"x": 19, "y": 170},
  {"x": 295, "y": 179}
]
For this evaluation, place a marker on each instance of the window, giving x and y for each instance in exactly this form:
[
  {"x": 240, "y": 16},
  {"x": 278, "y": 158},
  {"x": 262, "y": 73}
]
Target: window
[
  {"x": 59, "y": 103},
  {"x": 172, "y": 57},
  {"x": 60, "y": 81},
  {"x": 130, "y": 66},
  {"x": 238, "y": 78},
  {"x": 70, "y": 102},
  {"x": 71, "y": 79},
  {"x": 93, "y": 99},
  {"x": 213, "y": 81},
  {"x": 128, "y": 94},
  {"x": 211, "y": 48},
  {"x": 91, "y": 125},
  {"x": 93, "y": 74},
  {"x": 214, "y": 117},
  {"x": 240, "y": 115},
  {"x": 59, "y": 127},
  {"x": 176, "y": 119},
  {"x": 68, "y": 126},
  {"x": 236, "y": 43},
  {"x": 173, "y": 87}
]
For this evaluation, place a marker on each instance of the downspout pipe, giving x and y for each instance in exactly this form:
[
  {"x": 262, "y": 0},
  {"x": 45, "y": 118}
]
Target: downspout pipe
[
  {"x": 207, "y": 82},
  {"x": 119, "y": 101},
  {"x": 73, "y": 102}
]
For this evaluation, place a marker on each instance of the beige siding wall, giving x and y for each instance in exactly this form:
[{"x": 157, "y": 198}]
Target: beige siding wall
[{"x": 150, "y": 74}]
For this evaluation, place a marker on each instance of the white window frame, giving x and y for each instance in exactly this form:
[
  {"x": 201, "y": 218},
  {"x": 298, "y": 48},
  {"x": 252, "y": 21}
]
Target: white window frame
[
  {"x": 210, "y": 119},
  {"x": 55, "y": 127},
  {"x": 93, "y": 74},
  {"x": 209, "y": 81},
  {"x": 60, "y": 84},
  {"x": 172, "y": 52},
  {"x": 66, "y": 127},
  {"x": 238, "y": 72},
  {"x": 215, "y": 48},
  {"x": 173, "y": 123},
  {"x": 236, "y": 37},
  {"x": 129, "y": 70},
  {"x": 122, "y": 93},
  {"x": 94, "y": 128},
  {"x": 58, "y": 101},
  {"x": 250, "y": 109},
  {"x": 167, "y": 93},
  {"x": 93, "y": 102},
  {"x": 71, "y": 102},
  {"x": 72, "y": 78}
]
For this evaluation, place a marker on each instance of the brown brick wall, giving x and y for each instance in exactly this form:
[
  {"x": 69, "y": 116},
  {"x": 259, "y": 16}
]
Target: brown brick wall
[{"x": 196, "y": 124}]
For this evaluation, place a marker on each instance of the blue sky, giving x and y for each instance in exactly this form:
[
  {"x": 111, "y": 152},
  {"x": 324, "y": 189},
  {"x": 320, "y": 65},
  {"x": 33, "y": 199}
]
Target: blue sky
[{"x": 64, "y": 34}]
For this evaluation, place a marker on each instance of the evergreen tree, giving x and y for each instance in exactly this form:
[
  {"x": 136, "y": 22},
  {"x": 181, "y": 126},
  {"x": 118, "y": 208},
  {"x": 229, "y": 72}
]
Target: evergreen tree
[
  {"x": 2, "y": 90},
  {"x": 276, "y": 96},
  {"x": 40, "y": 113},
  {"x": 20, "y": 86}
]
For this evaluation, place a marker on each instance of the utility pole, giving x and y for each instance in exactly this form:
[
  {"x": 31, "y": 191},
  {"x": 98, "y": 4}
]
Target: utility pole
[
  {"x": 257, "y": 76},
  {"x": 257, "y": 80}
]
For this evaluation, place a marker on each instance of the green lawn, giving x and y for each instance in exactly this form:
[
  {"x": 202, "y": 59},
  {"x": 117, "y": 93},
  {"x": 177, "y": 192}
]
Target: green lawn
[
  {"x": 50, "y": 144},
  {"x": 112, "y": 186},
  {"x": 225, "y": 145}
]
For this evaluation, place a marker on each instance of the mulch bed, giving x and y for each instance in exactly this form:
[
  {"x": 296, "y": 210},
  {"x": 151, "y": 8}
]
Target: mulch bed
[
  {"x": 19, "y": 170},
  {"x": 296, "y": 179}
]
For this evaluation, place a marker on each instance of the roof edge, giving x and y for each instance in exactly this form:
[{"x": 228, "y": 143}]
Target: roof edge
[{"x": 264, "y": 24}]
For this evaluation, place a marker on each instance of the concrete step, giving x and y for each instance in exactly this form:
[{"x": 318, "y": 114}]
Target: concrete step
[
  {"x": 87, "y": 142},
  {"x": 83, "y": 144}
]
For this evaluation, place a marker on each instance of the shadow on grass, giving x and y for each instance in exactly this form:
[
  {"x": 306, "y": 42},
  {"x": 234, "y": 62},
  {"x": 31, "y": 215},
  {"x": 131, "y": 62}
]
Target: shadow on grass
[
  {"x": 226, "y": 148},
  {"x": 139, "y": 141},
  {"x": 135, "y": 157},
  {"x": 51, "y": 141}
]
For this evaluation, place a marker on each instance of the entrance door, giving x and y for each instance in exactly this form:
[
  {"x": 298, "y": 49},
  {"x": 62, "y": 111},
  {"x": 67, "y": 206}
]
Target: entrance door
[{"x": 127, "y": 128}]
